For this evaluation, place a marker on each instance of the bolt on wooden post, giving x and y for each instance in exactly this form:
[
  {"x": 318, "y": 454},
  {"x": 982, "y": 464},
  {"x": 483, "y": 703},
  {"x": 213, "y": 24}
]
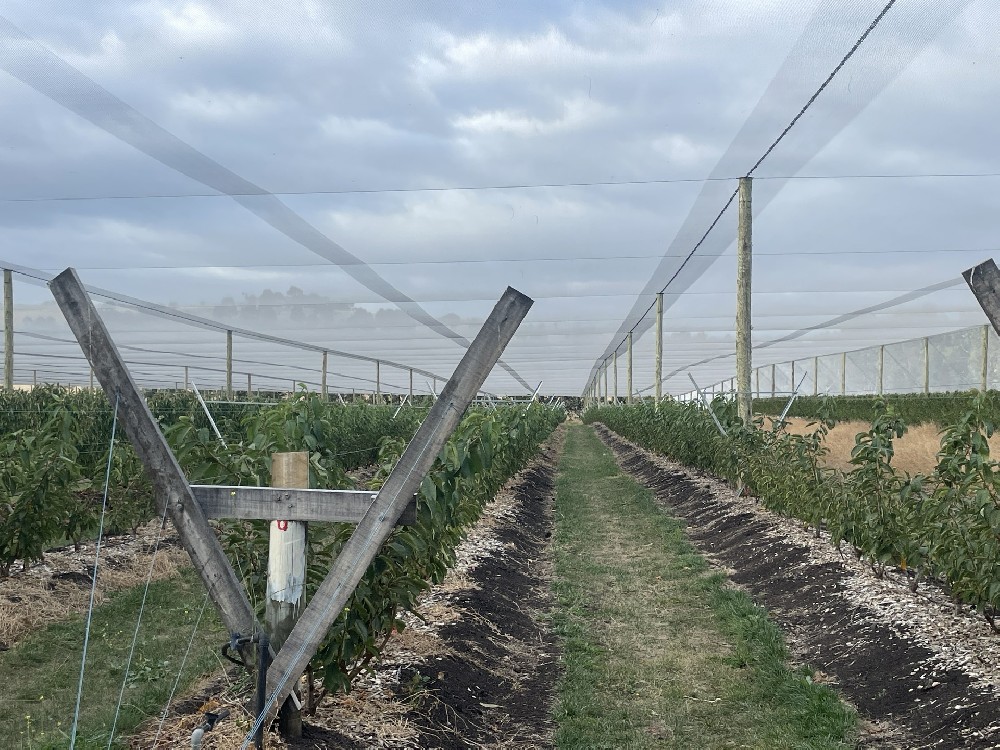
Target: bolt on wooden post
[{"x": 286, "y": 571}]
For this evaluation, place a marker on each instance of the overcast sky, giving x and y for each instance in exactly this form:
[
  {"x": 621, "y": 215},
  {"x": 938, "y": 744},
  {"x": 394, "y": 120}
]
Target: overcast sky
[{"x": 124, "y": 176}]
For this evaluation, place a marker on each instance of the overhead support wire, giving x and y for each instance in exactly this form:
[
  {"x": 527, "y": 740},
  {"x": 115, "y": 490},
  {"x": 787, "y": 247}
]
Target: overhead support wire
[{"x": 876, "y": 73}]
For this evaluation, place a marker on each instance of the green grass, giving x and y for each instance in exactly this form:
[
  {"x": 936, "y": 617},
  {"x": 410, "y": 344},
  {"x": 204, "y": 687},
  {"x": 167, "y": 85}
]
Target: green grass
[
  {"x": 40, "y": 673},
  {"x": 658, "y": 651}
]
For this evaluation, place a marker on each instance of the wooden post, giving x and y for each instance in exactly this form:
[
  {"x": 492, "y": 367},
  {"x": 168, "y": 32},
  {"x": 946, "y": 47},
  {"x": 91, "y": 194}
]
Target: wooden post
[
  {"x": 34, "y": 377},
  {"x": 91, "y": 384},
  {"x": 403, "y": 482},
  {"x": 249, "y": 386},
  {"x": 756, "y": 373},
  {"x": 411, "y": 385},
  {"x": 744, "y": 244},
  {"x": 628, "y": 377},
  {"x": 378, "y": 380},
  {"x": 607, "y": 396},
  {"x": 186, "y": 381},
  {"x": 773, "y": 385},
  {"x": 8, "y": 329},
  {"x": 793, "y": 376},
  {"x": 172, "y": 491},
  {"x": 323, "y": 388},
  {"x": 985, "y": 379},
  {"x": 843, "y": 374},
  {"x": 659, "y": 348},
  {"x": 815, "y": 376},
  {"x": 927, "y": 365},
  {"x": 614, "y": 362},
  {"x": 286, "y": 572},
  {"x": 229, "y": 365},
  {"x": 881, "y": 369}
]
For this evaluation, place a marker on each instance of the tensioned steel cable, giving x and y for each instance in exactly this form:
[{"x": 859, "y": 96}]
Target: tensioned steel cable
[{"x": 38, "y": 67}]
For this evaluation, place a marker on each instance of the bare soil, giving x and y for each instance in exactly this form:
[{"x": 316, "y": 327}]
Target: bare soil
[
  {"x": 920, "y": 674},
  {"x": 476, "y": 667}
]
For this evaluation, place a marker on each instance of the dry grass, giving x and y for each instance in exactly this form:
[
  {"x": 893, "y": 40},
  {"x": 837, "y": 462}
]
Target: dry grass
[
  {"x": 916, "y": 451},
  {"x": 60, "y": 585}
]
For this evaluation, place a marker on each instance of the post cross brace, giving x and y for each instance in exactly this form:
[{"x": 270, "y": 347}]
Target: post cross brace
[
  {"x": 270, "y": 503},
  {"x": 191, "y": 520}
]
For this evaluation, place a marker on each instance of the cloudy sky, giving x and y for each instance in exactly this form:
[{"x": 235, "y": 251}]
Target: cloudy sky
[{"x": 369, "y": 177}]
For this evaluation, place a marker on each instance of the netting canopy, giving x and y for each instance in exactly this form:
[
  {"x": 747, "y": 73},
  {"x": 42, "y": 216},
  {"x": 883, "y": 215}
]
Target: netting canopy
[{"x": 365, "y": 179}]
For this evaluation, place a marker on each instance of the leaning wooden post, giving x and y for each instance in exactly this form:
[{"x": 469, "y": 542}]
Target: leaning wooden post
[
  {"x": 323, "y": 388},
  {"x": 171, "y": 488},
  {"x": 229, "y": 365},
  {"x": 628, "y": 378},
  {"x": 659, "y": 348},
  {"x": 286, "y": 572},
  {"x": 744, "y": 244},
  {"x": 8, "y": 329},
  {"x": 984, "y": 281},
  {"x": 399, "y": 488},
  {"x": 985, "y": 375}
]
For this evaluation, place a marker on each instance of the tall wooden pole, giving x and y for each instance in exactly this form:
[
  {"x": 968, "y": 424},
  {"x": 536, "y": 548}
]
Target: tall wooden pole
[
  {"x": 378, "y": 380},
  {"x": 927, "y": 365},
  {"x": 985, "y": 379},
  {"x": 744, "y": 246},
  {"x": 815, "y": 376},
  {"x": 881, "y": 370},
  {"x": 628, "y": 376},
  {"x": 323, "y": 388},
  {"x": 614, "y": 363},
  {"x": 411, "y": 384},
  {"x": 843, "y": 374},
  {"x": 607, "y": 395},
  {"x": 659, "y": 348},
  {"x": 286, "y": 571},
  {"x": 229, "y": 365},
  {"x": 249, "y": 386},
  {"x": 8, "y": 329}
]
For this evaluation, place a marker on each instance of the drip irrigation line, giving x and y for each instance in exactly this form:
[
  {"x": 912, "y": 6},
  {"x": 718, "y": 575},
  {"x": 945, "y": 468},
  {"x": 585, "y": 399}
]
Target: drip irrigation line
[
  {"x": 93, "y": 583},
  {"x": 180, "y": 672}
]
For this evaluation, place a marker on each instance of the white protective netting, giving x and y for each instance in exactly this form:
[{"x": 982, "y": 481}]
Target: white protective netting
[{"x": 367, "y": 178}]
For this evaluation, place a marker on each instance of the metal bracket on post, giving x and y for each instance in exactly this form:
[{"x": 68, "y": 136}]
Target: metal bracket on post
[{"x": 708, "y": 406}]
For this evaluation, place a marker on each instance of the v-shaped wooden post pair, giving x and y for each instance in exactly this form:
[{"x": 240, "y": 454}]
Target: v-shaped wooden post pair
[{"x": 189, "y": 508}]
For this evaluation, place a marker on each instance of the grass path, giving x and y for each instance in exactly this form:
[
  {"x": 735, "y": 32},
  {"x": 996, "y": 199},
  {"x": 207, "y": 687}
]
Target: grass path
[
  {"x": 40, "y": 672},
  {"x": 659, "y": 652}
]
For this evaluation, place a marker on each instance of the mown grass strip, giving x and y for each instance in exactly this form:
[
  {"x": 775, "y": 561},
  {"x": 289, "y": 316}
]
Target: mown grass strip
[
  {"x": 658, "y": 652},
  {"x": 40, "y": 673}
]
